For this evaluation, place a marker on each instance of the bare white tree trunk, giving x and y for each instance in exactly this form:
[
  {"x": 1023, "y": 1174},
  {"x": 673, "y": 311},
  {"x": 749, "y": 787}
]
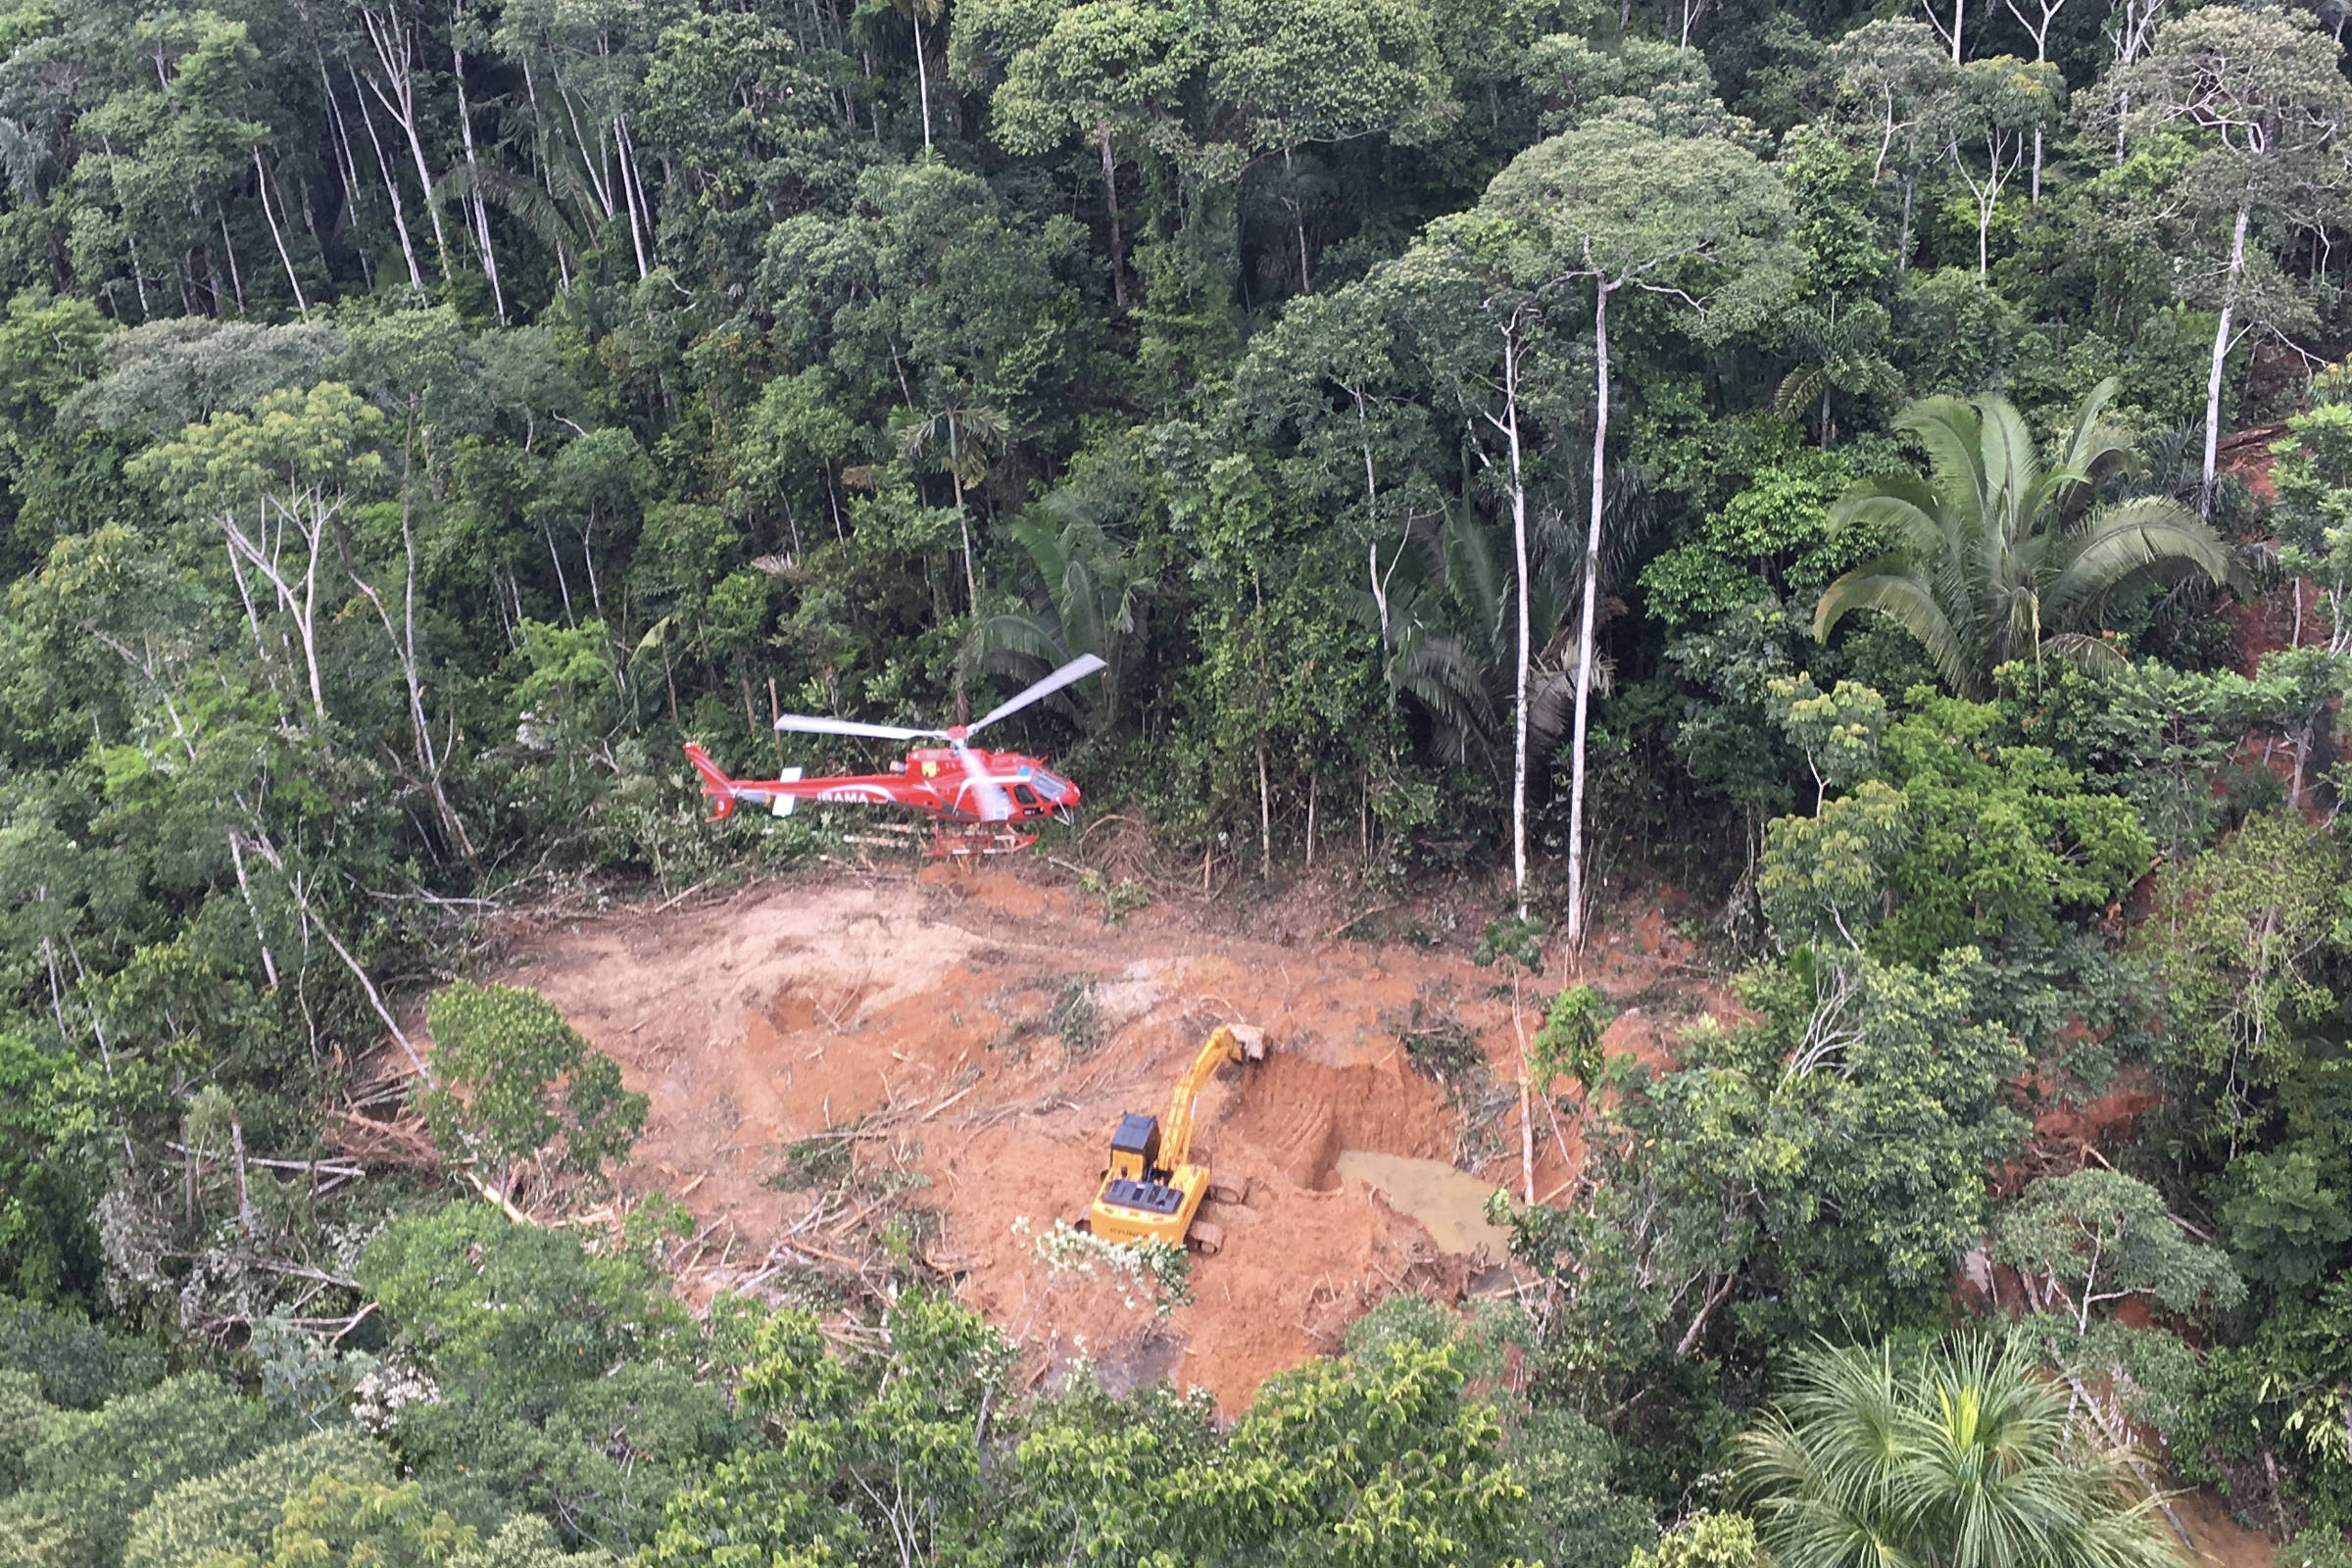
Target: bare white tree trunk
[
  {"x": 262, "y": 176},
  {"x": 631, "y": 191},
  {"x": 1585, "y": 619},
  {"x": 1110, "y": 200},
  {"x": 236, "y": 279},
  {"x": 481, "y": 211},
  {"x": 2220, "y": 348},
  {"x": 922, "y": 75},
  {"x": 383, "y": 164},
  {"x": 1519, "y": 554},
  {"x": 398, "y": 94},
  {"x": 403, "y": 637}
]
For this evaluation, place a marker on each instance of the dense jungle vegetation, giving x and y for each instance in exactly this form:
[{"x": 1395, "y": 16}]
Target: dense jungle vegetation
[{"x": 1782, "y": 449}]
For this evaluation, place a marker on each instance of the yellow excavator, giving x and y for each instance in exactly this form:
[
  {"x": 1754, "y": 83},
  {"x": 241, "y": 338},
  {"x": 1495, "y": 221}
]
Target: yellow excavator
[{"x": 1152, "y": 1190}]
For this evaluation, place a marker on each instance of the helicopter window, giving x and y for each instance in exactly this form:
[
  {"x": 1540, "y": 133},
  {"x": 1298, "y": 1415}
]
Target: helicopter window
[
  {"x": 1023, "y": 794},
  {"x": 1052, "y": 788}
]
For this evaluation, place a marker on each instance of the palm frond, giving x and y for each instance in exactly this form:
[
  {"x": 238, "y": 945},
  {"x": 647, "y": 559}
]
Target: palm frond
[
  {"x": 1800, "y": 389},
  {"x": 1953, "y": 432},
  {"x": 1966, "y": 1461},
  {"x": 1016, "y": 632},
  {"x": 2118, "y": 543},
  {"x": 2011, "y": 470},
  {"x": 2094, "y": 656},
  {"x": 1902, "y": 503},
  {"x": 526, "y": 203},
  {"x": 2094, "y": 448},
  {"x": 1891, "y": 586}
]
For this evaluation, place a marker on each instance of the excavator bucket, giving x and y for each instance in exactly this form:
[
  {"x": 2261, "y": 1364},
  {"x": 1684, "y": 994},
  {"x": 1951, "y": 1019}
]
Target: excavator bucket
[{"x": 1253, "y": 1040}]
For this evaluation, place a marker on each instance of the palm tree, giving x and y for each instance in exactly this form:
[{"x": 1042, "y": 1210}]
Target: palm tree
[
  {"x": 1451, "y": 647},
  {"x": 1996, "y": 557},
  {"x": 1094, "y": 598},
  {"x": 1965, "y": 1460},
  {"x": 958, "y": 438},
  {"x": 1836, "y": 353}
]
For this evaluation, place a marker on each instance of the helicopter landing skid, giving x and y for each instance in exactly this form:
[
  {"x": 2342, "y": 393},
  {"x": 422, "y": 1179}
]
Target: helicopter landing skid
[{"x": 977, "y": 838}]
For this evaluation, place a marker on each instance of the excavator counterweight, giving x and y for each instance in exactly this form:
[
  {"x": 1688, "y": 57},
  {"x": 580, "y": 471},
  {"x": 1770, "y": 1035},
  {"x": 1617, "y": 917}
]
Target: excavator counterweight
[{"x": 1151, "y": 1188}]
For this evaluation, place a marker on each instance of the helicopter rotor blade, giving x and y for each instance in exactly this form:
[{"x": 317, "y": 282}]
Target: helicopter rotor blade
[
  {"x": 805, "y": 724},
  {"x": 1076, "y": 669},
  {"x": 994, "y": 805}
]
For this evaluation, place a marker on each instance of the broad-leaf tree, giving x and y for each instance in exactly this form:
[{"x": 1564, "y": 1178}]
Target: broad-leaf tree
[
  {"x": 1698, "y": 223},
  {"x": 2261, "y": 95}
]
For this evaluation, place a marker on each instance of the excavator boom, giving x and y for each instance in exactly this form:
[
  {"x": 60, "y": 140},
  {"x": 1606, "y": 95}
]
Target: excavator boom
[{"x": 1226, "y": 1043}]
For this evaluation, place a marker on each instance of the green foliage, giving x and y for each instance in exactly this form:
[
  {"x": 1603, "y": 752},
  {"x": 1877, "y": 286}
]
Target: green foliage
[
  {"x": 1514, "y": 937},
  {"x": 2242, "y": 937},
  {"x": 1819, "y": 1170},
  {"x": 1837, "y": 731},
  {"x": 514, "y": 1079},
  {"x": 560, "y": 1378},
  {"x": 1823, "y": 877},
  {"x": 1361, "y": 1461},
  {"x": 235, "y": 1512},
  {"x": 80, "y": 1365},
  {"x": 1964, "y": 1458},
  {"x": 860, "y": 1451},
  {"x": 23, "y": 1422},
  {"x": 359, "y": 1523},
  {"x": 416, "y": 424},
  {"x": 2006, "y": 837},
  {"x": 1568, "y": 1041},
  {"x": 2099, "y": 1235},
  {"x": 47, "y": 1121},
  {"x": 90, "y": 1473},
  {"x": 1706, "y": 1539},
  {"x": 2289, "y": 1229}
]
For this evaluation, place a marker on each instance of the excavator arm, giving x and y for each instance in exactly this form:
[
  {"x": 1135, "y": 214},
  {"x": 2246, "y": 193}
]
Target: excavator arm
[{"x": 1226, "y": 1043}]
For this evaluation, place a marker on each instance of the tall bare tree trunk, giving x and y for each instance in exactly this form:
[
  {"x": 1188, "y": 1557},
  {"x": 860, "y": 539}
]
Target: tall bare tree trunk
[
  {"x": 1585, "y": 623},
  {"x": 631, "y": 190},
  {"x": 1110, "y": 200},
  {"x": 2220, "y": 348},
  {"x": 383, "y": 164},
  {"x": 1519, "y": 554},
  {"x": 922, "y": 75},
  {"x": 396, "y": 55},
  {"x": 237, "y": 280},
  {"x": 1902, "y": 245},
  {"x": 1307, "y": 280},
  {"x": 481, "y": 211},
  {"x": 262, "y": 176}
]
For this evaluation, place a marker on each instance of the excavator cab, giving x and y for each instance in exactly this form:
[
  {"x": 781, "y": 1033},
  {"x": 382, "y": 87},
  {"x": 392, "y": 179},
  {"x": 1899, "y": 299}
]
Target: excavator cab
[
  {"x": 1136, "y": 1179},
  {"x": 1140, "y": 1197}
]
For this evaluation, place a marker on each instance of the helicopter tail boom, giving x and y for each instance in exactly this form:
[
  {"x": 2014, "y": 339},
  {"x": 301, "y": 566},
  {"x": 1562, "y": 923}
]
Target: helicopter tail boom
[{"x": 724, "y": 791}]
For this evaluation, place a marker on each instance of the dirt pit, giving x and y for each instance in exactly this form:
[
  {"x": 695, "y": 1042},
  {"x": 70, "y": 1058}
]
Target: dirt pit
[{"x": 972, "y": 1033}]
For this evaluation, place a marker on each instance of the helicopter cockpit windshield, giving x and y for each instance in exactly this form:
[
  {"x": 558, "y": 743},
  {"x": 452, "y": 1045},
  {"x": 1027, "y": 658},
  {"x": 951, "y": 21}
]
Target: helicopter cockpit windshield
[{"x": 1056, "y": 793}]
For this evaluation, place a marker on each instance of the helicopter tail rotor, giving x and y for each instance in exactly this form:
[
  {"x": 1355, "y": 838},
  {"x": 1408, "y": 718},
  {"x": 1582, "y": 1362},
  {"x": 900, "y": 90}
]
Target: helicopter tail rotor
[{"x": 715, "y": 784}]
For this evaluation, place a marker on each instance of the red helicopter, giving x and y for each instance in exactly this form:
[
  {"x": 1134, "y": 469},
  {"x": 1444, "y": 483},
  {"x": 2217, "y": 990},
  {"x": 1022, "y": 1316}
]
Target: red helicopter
[{"x": 978, "y": 794}]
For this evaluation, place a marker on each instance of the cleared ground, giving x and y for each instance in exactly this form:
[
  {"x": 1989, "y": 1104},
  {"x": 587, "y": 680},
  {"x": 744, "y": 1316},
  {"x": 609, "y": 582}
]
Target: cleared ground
[{"x": 981, "y": 1028}]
